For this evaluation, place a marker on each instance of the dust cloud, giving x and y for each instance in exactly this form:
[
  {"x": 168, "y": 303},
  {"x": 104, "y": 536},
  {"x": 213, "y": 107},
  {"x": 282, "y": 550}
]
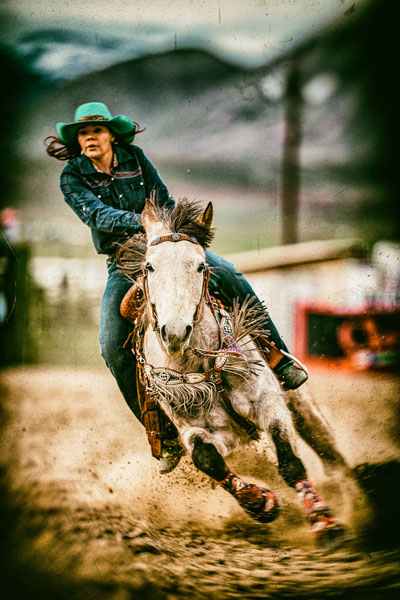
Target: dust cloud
[{"x": 90, "y": 513}]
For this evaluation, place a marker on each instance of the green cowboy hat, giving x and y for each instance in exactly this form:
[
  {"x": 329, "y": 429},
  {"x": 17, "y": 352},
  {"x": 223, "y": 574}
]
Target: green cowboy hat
[{"x": 120, "y": 125}]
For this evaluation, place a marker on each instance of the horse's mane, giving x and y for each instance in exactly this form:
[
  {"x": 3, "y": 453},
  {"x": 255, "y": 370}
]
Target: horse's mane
[{"x": 182, "y": 219}]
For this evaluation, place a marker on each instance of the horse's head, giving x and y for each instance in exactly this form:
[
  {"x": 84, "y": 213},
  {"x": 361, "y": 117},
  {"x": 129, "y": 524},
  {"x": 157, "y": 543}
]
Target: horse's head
[{"x": 175, "y": 273}]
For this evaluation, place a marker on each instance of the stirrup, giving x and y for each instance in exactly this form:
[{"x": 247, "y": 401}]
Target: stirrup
[
  {"x": 296, "y": 361},
  {"x": 273, "y": 355}
]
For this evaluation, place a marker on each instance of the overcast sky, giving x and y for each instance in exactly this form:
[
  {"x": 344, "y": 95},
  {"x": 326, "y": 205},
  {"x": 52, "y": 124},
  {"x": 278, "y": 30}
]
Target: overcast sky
[
  {"x": 182, "y": 12},
  {"x": 255, "y": 29}
]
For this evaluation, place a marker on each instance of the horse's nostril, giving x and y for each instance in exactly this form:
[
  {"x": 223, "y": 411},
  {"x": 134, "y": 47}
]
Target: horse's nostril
[
  {"x": 189, "y": 330},
  {"x": 174, "y": 336}
]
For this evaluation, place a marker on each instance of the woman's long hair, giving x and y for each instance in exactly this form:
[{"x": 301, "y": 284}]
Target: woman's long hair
[{"x": 57, "y": 149}]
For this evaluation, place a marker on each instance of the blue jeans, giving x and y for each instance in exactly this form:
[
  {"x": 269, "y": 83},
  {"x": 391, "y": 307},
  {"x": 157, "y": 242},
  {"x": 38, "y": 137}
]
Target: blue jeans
[
  {"x": 114, "y": 329},
  {"x": 228, "y": 283}
]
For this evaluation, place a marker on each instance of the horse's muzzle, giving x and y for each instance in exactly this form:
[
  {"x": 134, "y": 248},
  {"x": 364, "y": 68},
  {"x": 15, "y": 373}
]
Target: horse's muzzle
[{"x": 175, "y": 338}]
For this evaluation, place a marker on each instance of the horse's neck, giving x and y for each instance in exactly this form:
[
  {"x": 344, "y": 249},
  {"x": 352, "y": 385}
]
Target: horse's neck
[
  {"x": 206, "y": 333},
  {"x": 205, "y": 336}
]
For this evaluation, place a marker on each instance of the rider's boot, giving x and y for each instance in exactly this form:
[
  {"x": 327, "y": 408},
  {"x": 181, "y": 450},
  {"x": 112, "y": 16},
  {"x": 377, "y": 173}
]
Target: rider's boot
[
  {"x": 328, "y": 532},
  {"x": 260, "y": 503},
  {"x": 291, "y": 374}
]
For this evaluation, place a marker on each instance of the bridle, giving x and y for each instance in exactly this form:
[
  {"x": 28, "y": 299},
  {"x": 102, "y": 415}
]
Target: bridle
[
  {"x": 174, "y": 237},
  {"x": 228, "y": 346}
]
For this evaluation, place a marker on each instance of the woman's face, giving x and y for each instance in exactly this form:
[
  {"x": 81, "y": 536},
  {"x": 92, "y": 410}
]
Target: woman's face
[{"x": 95, "y": 141}]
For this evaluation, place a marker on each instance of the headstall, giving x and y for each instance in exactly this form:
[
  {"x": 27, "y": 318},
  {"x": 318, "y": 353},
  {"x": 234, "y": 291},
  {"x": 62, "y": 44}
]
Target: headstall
[
  {"x": 228, "y": 346},
  {"x": 174, "y": 237},
  {"x": 169, "y": 377}
]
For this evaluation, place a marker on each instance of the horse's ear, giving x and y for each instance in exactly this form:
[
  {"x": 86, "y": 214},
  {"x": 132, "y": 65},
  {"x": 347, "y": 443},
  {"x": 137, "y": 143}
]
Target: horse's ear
[
  {"x": 206, "y": 218},
  {"x": 149, "y": 214}
]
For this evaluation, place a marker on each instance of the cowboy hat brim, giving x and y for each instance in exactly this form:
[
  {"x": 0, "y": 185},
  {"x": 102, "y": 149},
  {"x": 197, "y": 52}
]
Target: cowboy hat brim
[{"x": 121, "y": 125}]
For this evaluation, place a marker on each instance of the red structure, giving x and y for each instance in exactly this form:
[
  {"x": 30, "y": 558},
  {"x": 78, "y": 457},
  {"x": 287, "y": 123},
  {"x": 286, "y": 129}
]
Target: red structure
[{"x": 368, "y": 339}]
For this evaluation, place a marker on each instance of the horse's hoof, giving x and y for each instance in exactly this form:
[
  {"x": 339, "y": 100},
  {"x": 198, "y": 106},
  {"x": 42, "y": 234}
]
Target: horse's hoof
[
  {"x": 271, "y": 507},
  {"x": 169, "y": 460},
  {"x": 260, "y": 503},
  {"x": 329, "y": 534}
]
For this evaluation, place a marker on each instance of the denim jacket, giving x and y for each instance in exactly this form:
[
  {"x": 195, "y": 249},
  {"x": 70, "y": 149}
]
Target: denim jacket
[{"x": 111, "y": 204}]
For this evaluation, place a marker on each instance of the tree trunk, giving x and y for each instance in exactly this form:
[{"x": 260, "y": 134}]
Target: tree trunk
[{"x": 290, "y": 159}]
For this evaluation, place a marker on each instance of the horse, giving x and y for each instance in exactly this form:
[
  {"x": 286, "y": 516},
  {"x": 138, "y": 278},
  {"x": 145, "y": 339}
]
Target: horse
[{"x": 202, "y": 367}]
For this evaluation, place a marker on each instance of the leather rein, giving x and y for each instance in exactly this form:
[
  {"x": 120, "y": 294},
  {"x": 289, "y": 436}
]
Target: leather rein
[{"x": 228, "y": 346}]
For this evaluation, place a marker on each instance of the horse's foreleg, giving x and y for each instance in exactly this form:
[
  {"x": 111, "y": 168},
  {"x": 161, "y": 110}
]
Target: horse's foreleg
[
  {"x": 326, "y": 529},
  {"x": 206, "y": 458},
  {"x": 260, "y": 503}
]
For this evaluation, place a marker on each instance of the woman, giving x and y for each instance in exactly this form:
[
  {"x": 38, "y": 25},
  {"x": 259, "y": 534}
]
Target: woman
[{"x": 106, "y": 182}]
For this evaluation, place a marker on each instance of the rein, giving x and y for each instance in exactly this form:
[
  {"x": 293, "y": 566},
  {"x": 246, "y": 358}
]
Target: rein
[{"x": 228, "y": 346}]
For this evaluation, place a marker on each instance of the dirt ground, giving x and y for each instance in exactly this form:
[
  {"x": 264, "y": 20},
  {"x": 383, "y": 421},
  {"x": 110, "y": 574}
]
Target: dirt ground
[{"x": 89, "y": 516}]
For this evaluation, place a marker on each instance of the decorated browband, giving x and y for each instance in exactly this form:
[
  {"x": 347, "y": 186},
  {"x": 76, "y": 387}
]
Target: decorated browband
[{"x": 174, "y": 237}]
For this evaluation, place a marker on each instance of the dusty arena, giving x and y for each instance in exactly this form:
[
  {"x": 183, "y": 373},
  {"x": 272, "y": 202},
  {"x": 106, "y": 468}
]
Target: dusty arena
[{"x": 86, "y": 514}]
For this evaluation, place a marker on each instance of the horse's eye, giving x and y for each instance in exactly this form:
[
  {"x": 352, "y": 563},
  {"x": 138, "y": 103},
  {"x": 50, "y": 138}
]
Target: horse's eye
[
  {"x": 201, "y": 267},
  {"x": 149, "y": 268}
]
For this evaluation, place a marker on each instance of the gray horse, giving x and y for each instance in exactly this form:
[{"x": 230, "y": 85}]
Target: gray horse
[{"x": 202, "y": 367}]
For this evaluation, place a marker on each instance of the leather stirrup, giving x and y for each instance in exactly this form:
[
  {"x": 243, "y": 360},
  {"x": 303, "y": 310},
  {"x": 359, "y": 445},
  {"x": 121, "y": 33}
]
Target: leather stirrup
[{"x": 270, "y": 353}]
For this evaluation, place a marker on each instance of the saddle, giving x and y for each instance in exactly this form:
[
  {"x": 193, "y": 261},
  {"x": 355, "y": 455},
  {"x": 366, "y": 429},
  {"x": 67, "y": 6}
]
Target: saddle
[{"x": 159, "y": 428}]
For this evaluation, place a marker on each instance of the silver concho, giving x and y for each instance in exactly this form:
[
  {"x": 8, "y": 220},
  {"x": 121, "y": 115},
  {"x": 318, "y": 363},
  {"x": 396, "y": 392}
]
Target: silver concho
[
  {"x": 226, "y": 325},
  {"x": 164, "y": 376},
  {"x": 220, "y": 361},
  {"x": 194, "y": 378},
  {"x": 213, "y": 376},
  {"x": 148, "y": 370}
]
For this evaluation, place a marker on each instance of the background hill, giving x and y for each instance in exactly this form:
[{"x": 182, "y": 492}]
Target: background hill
[{"x": 215, "y": 130}]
